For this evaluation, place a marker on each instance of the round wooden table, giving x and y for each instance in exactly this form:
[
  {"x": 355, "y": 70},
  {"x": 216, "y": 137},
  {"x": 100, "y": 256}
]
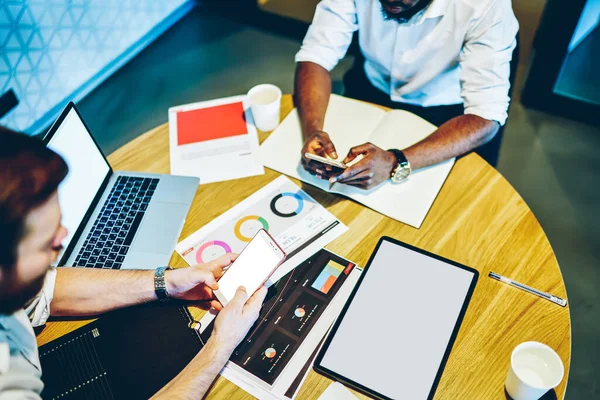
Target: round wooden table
[{"x": 478, "y": 220}]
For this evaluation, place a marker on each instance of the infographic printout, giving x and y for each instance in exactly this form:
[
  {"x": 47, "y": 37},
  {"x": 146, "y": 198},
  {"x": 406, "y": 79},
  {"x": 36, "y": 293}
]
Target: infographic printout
[
  {"x": 299, "y": 224},
  {"x": 274, "y": 358}
]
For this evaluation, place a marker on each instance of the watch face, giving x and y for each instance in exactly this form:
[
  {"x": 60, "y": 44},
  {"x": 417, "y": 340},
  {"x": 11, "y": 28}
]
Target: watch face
[{"x": 401, "y": 174}]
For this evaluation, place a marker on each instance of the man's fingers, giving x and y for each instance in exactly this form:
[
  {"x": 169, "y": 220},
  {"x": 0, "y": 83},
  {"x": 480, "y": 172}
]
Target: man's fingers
[
  {"x": 239, "y": 299},
  {"x": 197, "y": 275},
  {"x": 361, "y": 176},
  {"x": 221, "y": 262},
  {"x": 356, "y": 151},
  {"x": 351, "y": 172},
  {"x": 255, "y": 302},
  {"x": 210, "y": 280},
  {"x": 330, "y": 149},
  {"x": 218, "y": 266},
  {"x": 216, "y": 304},
  {"x": 310, "y": 166}
]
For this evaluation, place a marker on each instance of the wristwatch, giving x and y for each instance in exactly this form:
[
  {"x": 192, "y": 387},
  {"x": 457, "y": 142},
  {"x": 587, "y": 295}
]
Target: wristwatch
[
  {"x": 402, "y": 170},
  {"x": 160, "y": 288}
]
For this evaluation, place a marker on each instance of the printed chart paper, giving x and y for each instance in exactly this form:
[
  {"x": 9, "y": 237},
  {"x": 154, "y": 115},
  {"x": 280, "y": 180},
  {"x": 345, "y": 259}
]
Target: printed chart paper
[
  {"x": 277, "y": 354},
  {"x": 299, "y": 224}
]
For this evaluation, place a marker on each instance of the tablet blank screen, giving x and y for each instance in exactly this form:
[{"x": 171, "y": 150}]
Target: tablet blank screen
[{"x": 397, "y": 327}]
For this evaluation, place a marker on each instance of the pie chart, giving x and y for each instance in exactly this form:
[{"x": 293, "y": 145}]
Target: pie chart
[
  {"x": 246, "y": 227},
  {"x": 270, "y": 352},
  {"x": 287, "y": 204},
  {"x": 299, "y": 312},
  {"x": 211, "y": 250}
]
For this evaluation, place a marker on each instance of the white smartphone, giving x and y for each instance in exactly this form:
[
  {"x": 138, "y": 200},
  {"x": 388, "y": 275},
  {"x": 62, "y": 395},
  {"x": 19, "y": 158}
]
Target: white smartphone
[
  {"x": 326, "y": 161},
  {"x": 255, "y": 264}
]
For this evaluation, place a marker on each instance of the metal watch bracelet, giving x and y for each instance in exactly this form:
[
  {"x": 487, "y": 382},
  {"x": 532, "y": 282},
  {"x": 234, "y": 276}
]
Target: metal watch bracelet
[{"x": 160, "y": 287}]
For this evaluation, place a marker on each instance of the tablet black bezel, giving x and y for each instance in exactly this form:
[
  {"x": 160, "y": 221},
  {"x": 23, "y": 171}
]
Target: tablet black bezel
[{"x": 363, "y": 389}]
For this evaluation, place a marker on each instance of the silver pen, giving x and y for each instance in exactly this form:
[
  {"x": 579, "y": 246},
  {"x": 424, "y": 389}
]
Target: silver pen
[{"x": 555, "y": 299}]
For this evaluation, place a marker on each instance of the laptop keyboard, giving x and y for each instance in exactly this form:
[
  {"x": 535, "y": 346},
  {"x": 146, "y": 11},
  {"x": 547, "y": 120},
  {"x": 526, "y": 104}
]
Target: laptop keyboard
[{"x": 113, "y": 231}]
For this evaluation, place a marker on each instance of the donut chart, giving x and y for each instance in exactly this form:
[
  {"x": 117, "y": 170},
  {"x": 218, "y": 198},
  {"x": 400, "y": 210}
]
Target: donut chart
[
  {"x": 270, "y": 352},
  {"x": 237, "y": 230},
  {"x": 299, "y": 312},
  {"x": 211, "y": 250},
  {"x": 284, "y": 210}
]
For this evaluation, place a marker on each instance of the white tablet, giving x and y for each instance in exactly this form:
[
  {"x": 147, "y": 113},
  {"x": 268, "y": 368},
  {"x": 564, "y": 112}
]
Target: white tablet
[{"x": 395, "y": 333}]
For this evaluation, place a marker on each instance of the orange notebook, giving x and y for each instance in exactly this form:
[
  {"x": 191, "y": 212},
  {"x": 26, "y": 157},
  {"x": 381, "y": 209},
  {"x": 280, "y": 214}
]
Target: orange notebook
[{"x": 211, "y": 123}]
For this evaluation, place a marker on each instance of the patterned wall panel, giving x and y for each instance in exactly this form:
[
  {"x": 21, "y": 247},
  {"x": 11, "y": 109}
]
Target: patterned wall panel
[{"x": 50, "y": 48}]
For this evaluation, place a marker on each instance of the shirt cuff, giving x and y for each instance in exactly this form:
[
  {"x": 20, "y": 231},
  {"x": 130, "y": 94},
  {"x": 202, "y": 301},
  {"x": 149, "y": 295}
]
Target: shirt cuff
[
  {"x": 491, "y": 113},
  {"x": 308, "y": 56},
  {"x": 39, "y": 309}
]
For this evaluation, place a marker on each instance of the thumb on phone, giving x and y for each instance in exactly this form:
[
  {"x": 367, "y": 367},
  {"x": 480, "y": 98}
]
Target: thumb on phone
[{"x": 330, "y": 149}]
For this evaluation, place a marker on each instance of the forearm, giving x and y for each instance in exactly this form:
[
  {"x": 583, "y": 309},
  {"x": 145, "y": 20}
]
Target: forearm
[
  {"x": 452, "y": 139},
  {"x": 196, "y": 378},
  {"x": 81, "y": 291},
  {"x": 312, "y": 91}
]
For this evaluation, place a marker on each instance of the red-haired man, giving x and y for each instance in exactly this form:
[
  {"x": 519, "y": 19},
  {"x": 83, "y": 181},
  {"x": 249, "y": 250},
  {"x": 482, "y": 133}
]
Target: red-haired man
[{"x": 31, "y": 291}]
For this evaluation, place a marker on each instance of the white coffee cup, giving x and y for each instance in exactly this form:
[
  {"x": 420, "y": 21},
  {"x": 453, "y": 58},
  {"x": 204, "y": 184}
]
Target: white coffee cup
[
  {"x": 265, "y": 102},
  {"x": 534, "y": 369}
]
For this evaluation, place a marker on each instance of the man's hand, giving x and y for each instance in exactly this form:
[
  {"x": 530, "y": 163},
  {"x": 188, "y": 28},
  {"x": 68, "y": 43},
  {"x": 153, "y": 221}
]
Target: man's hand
[
  {"x": 319, "y": 143},
  {"x": 231, "y": 326},
  {"x": 374, "y": 168},
  {"x": 237, "y": 317},
  {"x": 198, "y": 282}
]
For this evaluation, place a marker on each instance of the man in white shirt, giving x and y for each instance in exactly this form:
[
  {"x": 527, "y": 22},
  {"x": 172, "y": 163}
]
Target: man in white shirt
[
  {"x": 31, "y": 291},
  {"x": 448, "y": 61}
]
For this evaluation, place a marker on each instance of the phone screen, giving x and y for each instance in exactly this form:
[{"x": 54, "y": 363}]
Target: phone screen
[
  {"x": 337, "y": 165},
  {"x": 252, "y": 268}
]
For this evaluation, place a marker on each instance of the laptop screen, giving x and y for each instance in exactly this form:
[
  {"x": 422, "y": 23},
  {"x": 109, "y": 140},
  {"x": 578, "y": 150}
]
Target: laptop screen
[{"x": 87, "y": 171}]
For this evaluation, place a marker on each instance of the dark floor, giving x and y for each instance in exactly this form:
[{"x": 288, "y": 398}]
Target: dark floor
[{"x": 552, "y": 162}]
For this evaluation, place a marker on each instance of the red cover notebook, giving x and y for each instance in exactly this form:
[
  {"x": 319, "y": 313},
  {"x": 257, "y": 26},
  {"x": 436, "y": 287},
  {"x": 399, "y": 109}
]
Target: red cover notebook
[{"x": 211, "y": 123}]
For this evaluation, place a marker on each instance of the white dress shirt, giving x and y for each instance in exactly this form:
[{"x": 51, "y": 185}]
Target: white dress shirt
[
  {"x": 20, "y": 370},
  {"x": 452, "y": 52}
]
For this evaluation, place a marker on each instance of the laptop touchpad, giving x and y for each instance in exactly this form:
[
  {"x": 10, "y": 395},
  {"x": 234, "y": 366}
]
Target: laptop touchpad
[{"x": 160, "y": 228}]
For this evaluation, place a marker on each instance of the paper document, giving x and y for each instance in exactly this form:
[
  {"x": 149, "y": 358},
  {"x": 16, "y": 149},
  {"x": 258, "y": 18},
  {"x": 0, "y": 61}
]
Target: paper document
[
  {"x": 351, "y": 123},
  {"x": 274, "y": 358},
  {"x": 337, "y": 391},
  {"x": 214, "y": 140},
  {"x": 299, "y": 224}
]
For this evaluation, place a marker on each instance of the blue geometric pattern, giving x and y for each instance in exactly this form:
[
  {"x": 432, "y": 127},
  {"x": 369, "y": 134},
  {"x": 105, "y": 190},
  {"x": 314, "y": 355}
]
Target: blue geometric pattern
[{"x": 48, "y": 49}]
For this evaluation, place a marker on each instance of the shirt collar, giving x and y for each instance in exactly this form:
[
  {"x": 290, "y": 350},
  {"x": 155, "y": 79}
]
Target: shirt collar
[{"x": 436, "y": 9}]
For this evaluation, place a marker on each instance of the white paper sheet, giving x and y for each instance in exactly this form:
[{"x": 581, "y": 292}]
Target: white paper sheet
[
  {"x": 337, "y": 391},
  {"x": 305, "y": 227},
  {"x": 218, "y": 159},
  {"x": 350, "y": 123}
]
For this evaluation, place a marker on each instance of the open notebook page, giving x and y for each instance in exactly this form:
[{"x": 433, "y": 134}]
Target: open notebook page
[
  {"x": 350, "y": 123},
  {"x": 410, "y": 200}
]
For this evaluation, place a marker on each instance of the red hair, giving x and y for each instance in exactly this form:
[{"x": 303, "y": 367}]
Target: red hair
[{"x": 29, "y": 174}]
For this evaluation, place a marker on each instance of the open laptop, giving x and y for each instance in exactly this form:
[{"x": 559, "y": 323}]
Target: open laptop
[{"x": 115, "y": 219}]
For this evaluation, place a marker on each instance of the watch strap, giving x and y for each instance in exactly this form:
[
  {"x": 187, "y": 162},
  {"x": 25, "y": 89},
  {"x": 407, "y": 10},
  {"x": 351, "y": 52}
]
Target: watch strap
[
  {"x": 160, "y": 287},
  {"x": 402, "y": 161}
]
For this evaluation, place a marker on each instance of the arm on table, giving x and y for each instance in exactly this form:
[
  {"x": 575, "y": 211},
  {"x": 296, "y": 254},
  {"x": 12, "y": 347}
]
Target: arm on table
[
  {"x": 485, "y": 83},
  {"x": 458, "y": 136},
  {"x": 312, "y": 88},
  {"x": 326, "y": 42},
  {"x": 312, "y": 91},
  {"x": 82, "y": 291}
]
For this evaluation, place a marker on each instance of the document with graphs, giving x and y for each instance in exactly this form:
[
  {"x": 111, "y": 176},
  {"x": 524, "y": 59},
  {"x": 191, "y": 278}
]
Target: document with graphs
[{"x": 299, "y": 224}]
